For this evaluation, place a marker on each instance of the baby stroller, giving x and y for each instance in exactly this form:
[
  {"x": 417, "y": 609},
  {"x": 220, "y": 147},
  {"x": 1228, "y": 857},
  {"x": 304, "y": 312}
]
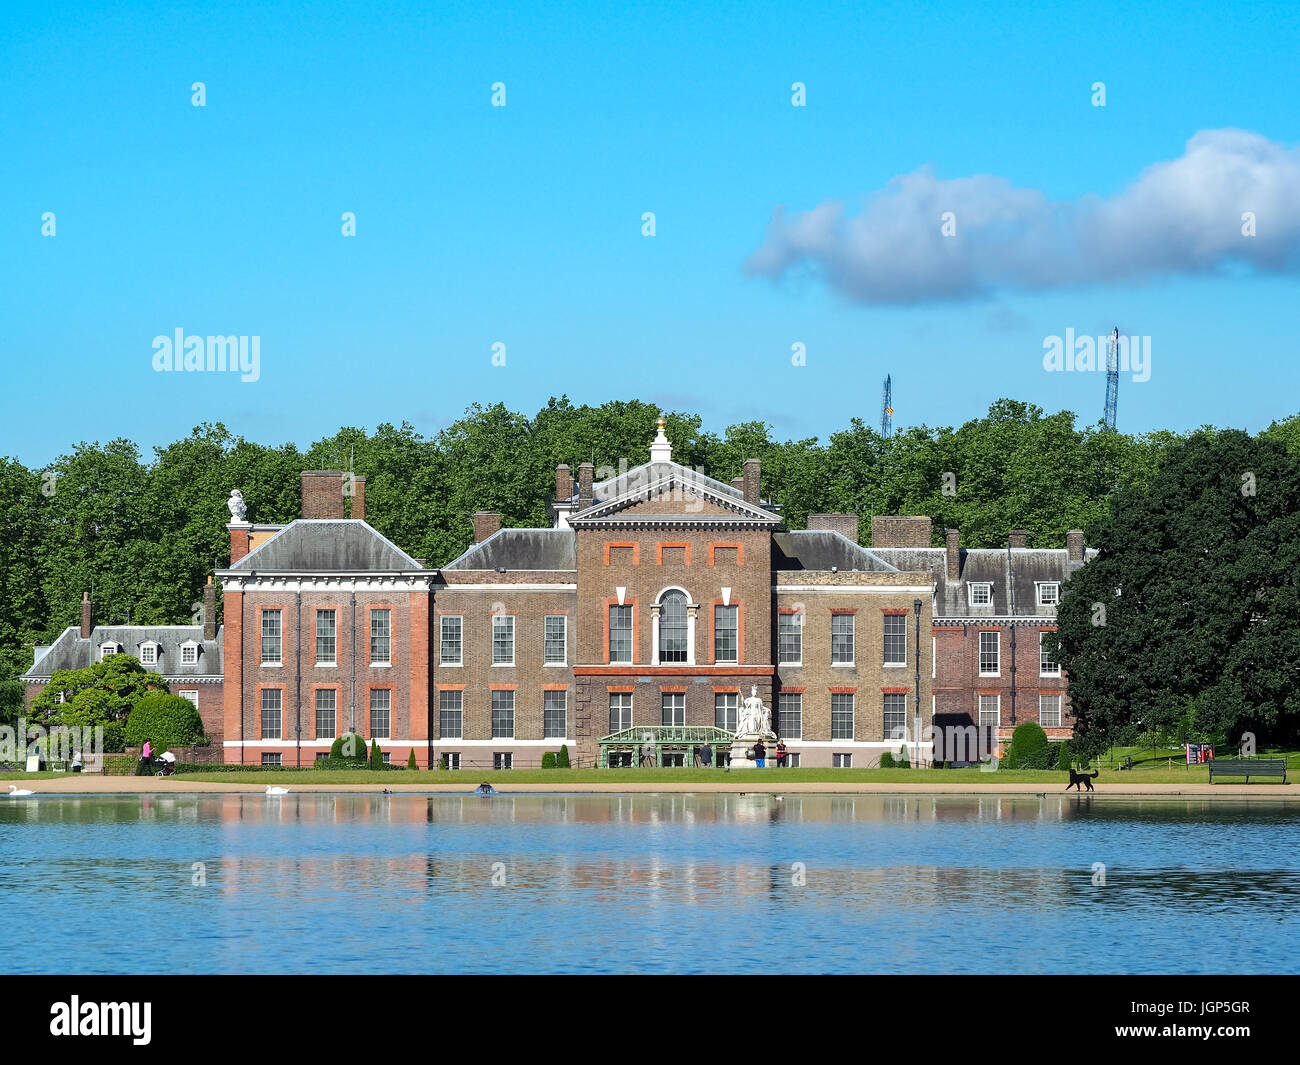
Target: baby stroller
[{"x": 167, "y": 765}]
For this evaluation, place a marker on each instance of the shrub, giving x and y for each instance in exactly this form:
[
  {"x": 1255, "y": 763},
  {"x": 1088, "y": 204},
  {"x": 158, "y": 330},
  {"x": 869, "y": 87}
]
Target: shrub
[
  {"x": 562, "y": 759},
  {"x": 410, "y": 761},
  {"x": 376, "y": 755},
  {"x": 350, "y": 747},
  {"x": 1063, "y": 756},
  {"x": 166, "y": 720},
  {"x": 142, "y": 770},
  {"x": 548, "y": 760},
  {"x": 1009, "y": 760},
  {"x": 886, "y": 761},
  {"x": 114, "y": 737},
  {"x": 901, "y": 762},
  {"x": 1031, "y": 747}
]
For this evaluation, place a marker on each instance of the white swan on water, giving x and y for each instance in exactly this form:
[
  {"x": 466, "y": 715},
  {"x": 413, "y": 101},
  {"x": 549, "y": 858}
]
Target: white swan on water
[
  {"x": 276, "y": 790},
  {"x": 15, "y": 791}
]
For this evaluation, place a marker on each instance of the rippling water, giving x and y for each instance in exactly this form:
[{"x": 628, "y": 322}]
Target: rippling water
[{"x": 645, "y": 883}]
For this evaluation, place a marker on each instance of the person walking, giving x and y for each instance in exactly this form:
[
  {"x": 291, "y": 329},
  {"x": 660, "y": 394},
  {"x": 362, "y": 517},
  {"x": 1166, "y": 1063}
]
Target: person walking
[
  {"x": 760, "y": 754},
  {"x": 780, "y": 753},
  {"x": 146, "y": 755},
  {"x": 706, "y": 755}
]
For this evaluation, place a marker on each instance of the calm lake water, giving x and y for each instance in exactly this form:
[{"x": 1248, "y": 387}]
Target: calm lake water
[{"x": 643, "y": 883}]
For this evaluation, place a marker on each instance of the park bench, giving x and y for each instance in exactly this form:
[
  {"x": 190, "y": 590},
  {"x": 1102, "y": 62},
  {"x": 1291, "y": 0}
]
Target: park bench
[{"x": 1247, "y": 767}]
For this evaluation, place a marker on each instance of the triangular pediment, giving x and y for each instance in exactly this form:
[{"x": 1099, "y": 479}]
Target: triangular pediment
[{"x": 676, "y": 495}]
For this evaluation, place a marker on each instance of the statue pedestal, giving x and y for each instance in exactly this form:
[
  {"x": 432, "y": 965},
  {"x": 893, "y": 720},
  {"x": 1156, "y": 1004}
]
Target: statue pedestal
[{"x": 740, "y": 749}]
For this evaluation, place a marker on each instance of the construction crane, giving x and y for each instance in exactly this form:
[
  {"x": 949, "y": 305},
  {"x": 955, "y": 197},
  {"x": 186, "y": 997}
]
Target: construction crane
[
  {"x": 1112, "y": 379},
  {"x": 887, "y": 409}
]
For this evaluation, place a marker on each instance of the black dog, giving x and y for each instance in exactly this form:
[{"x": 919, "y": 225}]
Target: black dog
[{"x": 1081, "y": 778}]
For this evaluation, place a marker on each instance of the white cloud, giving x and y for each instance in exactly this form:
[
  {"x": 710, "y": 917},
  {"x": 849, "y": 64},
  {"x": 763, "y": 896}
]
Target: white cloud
[{"x": 1183, "y": 216}]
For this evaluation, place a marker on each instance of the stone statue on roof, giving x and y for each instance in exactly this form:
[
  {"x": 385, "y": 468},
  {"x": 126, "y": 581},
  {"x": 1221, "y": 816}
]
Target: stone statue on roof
[{"x": 238, "y": 508}]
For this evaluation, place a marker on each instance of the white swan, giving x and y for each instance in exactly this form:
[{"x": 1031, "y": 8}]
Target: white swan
[
  {"x": 15, "y": 791},
  {"x": 277, "y": 790}
]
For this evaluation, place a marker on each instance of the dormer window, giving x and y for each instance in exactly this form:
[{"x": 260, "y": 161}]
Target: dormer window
[
  {"x": 148, "y": 654},
  {"x": 108, "y": 650},
  {"x": 981, "y": 594},
  {"x": 1049, "y": 593},
  {"x": 189, "y": 653}
]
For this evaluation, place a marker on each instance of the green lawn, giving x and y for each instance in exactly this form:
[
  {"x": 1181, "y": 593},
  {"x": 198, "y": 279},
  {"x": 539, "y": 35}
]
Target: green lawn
[{"x": 518, "y": 777}]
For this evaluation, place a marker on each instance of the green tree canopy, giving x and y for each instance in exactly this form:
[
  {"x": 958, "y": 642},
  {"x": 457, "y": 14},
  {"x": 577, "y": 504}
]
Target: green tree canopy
[{"x": 1194, "y": 601}]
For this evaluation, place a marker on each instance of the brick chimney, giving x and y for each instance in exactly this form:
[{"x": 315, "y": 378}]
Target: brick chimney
[
  {"x": 586, "y": 474},
  {"x": 563, "y": 483},
  {"x": 486, "y": 522},
  {"x": 322, "y": 494},
  {"x": 893, "y": 531},
  {"x": 85, "y": 615},
  {"x": 239, "y": 538},
  {"x": 738, "y": 483},
  {"x": 1018, "y": 538},
  {"x": 952, "y": 539},
  {"x": 751, "y": 477},
  {"x": 844, "y": 524},
  {"x": 359, "y": 498},
  {"x": 1074, "y": 545},
  {"x": 209, "y": 610}
]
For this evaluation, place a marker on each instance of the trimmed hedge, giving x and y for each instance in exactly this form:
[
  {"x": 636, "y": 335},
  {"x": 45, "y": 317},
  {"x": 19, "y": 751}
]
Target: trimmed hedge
[
  {"x": 548, "y": 760},
  {"x": 1030, "y": 748},
  {"x": 886, "y": 761},
  {"x": 166, "y": 720},
  {"x": 1063, "y": 756},
  {"x": 410, "y": 761},
  {"x": 350, "y": 747},
  {"x": 562, "y": 759}
]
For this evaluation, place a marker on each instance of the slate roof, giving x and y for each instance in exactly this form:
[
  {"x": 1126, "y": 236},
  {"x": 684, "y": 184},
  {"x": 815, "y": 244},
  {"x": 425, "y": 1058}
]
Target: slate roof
[
  {"x": 820, "y": 549},
  {"x": 326, "y": 545},
  {"x": 70, "y": 651},
  {"x": 989, "y": 566},
  {"x": 541, "y": 549}
]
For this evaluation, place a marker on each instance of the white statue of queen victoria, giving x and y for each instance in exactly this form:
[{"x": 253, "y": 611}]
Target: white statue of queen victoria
[{"x": 754, "y": 718}]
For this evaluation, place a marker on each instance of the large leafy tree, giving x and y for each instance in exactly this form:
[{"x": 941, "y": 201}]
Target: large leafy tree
[
  {"x": 1191, "y": 613},
  {"x": 97, "y": 694}
]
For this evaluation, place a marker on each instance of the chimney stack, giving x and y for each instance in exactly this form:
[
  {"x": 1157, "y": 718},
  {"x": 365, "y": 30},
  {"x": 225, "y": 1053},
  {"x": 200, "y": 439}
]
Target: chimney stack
[
  {"x": 563, "y": 483},
  {"x": 953, "y": 542},
  {"x": 486, "y": 522},
  {"x": 1018, "y": 538},
  {"x": 85, "y": 615},
  {"x": 1074, "y": 545},
  {"x": 844, "y": 524},
  {"x": 750, "y": 477},
  {"x": 892, "y": 530},
  {"x": 586, "y": 474},
  {"x": 738, "y": 483},
  {"x": 359, "y": 498},
  {"x": 322, "y": 494},
  {"x": 210, "y": 610}
]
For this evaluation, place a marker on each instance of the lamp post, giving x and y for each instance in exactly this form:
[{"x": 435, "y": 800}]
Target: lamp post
[{"x": 916, "y": 742}]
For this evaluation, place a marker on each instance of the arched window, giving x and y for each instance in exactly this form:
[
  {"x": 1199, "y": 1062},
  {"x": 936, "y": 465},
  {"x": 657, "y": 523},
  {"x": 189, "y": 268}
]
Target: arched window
[{"x": 673, "y": 643}]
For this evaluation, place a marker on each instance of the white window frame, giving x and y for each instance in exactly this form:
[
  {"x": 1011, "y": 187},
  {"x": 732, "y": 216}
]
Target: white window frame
[
  {"x": 885, "y": 663},
  {"x": 334, "y": 614},
  {"x": 564, "y": 636},
  {"x": 987, "y": 586},
  {"x": 496, "y": 618},
  {"x": 460, "y": 642},
  {"x": 853, "y": 641},
  {"x": 798, "y": 615},
  {"x": 1041, "y": 672},
  {"x": 1041, "y": 586},
  {"x": 190, "y": 694},
  {"x": 980, "y": 711},
  {"x": 151, "y": 646},
  {"x": 278, "y": 614},
  {"x": 631, "y": 630},
  {"x": 457, "y": 696},
  {"x": 997, "y": 650},
  {"x": 840, "y": 760},
  {"x": 1060, "y": 709},
  {"x": 189, "y": 653},
  {"x": 104, "y": 651},
  {"x": 371, "y": 658}
]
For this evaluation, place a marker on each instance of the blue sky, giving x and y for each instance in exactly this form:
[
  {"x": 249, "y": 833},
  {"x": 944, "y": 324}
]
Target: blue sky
[{"x": 522, "y": 225}]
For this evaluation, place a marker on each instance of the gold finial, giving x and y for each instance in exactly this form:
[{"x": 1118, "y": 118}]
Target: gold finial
[{"x": 662, "y": 423}]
